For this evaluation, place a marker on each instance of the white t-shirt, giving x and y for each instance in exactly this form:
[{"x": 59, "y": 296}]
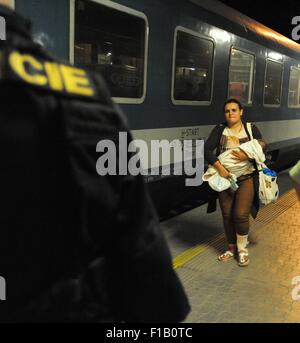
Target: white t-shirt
[{"x": 232, "y": 140}]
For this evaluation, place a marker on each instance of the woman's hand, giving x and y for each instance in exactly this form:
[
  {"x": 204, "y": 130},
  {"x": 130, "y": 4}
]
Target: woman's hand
[
  {"x": 223, "y": 172},
  {"x": 240, "y": 156}
]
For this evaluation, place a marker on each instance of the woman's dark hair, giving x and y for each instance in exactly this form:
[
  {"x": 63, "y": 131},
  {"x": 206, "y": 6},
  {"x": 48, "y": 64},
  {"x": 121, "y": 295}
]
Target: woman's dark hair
[{"x": 232, "y": 100}]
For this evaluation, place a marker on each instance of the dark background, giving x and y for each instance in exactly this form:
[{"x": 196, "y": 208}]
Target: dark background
[{"x": 276, "y": 15}]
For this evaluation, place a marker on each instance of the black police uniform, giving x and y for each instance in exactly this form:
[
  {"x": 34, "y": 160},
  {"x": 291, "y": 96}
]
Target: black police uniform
[{"x": 73, "y": 245}]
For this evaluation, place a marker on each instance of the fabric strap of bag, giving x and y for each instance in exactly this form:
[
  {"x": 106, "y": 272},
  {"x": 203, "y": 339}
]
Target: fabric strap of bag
[{"x": 248, "y": 129}]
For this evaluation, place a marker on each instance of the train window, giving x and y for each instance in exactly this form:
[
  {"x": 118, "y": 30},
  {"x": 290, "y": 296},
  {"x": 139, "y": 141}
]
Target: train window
[
  {"x": 193, "y": 68},
  {"x": 113, "y": 42},
  {"x": 294, "y": 87},
  {"x": 273, "y": 83},
  {"x": 241, "y": 76}
]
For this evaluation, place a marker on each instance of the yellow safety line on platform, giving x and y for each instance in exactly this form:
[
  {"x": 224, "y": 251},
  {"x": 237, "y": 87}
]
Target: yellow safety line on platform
[{"x": 182, "y": 259}]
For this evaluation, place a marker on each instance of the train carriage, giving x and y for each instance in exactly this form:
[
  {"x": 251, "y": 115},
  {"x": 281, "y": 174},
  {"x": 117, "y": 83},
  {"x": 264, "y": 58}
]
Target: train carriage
[{"x": 170, "y": 64}]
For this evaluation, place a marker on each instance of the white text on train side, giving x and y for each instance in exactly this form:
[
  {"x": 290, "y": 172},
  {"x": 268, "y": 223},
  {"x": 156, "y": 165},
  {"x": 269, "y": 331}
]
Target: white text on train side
[
  {"x": 296, "y": 30},
  {"x": 2, "y": 28},
  {"x": 157, "y": 158},
  {"x": 296, "y": 289},
  {"x": 2, "y": 289}
]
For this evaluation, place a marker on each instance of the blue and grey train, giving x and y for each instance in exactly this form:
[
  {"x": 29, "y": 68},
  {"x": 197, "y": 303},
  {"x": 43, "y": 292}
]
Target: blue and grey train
[{"x": 170, "y": 64}]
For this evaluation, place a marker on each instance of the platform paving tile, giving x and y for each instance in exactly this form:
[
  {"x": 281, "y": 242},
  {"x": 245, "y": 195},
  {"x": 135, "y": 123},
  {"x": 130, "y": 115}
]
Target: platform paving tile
[{"x": 259, "y": 293}]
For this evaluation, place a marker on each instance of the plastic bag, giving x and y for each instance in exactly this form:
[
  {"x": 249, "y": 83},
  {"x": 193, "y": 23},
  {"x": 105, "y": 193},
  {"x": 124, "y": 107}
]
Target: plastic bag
[
  {"x": 218, "y": 183},
  {"x": 268, "y": 187}
]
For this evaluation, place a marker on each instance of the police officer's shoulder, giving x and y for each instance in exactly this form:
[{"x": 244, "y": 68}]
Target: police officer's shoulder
[
  {"x": 39, "y": 70},
  {"x": 34, "y": 67}
]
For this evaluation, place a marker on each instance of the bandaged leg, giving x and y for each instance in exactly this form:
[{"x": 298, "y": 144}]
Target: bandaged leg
[{"x": 242, "y": 242}]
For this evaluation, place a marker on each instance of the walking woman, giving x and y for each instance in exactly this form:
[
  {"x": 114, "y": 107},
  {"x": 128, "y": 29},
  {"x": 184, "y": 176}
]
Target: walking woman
[{"x": 236, "y": 206}]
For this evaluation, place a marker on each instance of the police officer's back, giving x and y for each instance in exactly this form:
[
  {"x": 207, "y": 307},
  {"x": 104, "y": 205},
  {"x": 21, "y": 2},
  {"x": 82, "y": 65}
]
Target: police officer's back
[{"x": 58, "y": 216}]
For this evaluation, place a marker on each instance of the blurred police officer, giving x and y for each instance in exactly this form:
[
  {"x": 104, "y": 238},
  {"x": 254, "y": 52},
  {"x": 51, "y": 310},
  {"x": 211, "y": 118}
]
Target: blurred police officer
[
  {"x": 295, "y": 176},
  {"x": 74, "y": 246}
]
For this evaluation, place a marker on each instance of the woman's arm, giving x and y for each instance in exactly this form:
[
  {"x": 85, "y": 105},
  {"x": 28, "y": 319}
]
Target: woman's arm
[
  {"x": 210, "y": 145},
  {"x": 221, "y": 169}
]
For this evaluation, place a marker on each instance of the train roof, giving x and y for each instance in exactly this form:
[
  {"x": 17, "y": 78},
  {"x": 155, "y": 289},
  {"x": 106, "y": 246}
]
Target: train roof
[{"x": 251, "y": 28}]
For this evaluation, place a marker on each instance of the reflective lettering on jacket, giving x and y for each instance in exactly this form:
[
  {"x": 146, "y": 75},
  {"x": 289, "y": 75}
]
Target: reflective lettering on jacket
[{"x": 51, "y": 75}]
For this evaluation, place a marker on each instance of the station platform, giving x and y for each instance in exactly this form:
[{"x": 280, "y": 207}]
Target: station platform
[{"x": 223, "y": 292}]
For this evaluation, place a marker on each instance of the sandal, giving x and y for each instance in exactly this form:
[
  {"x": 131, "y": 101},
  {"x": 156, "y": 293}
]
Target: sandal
[
  {"x": 226, "y": 256},
  {"x": 243, "y": 258}
]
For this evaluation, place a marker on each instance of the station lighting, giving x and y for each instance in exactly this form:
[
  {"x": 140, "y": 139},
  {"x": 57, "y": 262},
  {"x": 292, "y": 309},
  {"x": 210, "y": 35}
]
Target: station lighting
[
  {"x": 275, "y": 56},
  {"x": 220, "y": 35}
]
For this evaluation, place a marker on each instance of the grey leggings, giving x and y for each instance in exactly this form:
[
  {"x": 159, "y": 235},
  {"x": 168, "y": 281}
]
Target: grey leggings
[{"x": 236, "y": 207}]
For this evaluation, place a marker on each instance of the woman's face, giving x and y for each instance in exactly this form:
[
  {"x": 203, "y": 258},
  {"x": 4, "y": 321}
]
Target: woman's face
[{"x": 233, "y": 113}]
